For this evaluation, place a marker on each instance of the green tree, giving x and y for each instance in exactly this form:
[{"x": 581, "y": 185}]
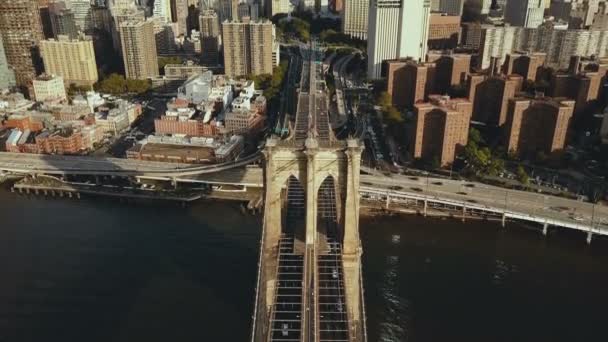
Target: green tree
[
  {"x": 163, "y": 61},
  {"x": 113, "y": 84},
  {"x": 74, "y": 89},
  {"x": 138, "y": 86},
  {"x": 116, "y": 84},
  {"x": 522, "y": 176}
]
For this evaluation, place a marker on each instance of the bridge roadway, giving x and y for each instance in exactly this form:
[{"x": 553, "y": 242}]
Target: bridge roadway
[
  {"x": 576, "y": 213},
  {"x": 560, "y": 211},
  {"x": 470, "y": 193},
  {"x": 84, "y": 165}
]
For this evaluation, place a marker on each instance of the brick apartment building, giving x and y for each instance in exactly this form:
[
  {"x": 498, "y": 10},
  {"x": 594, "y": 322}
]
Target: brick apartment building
[
  {"x": 539, "y": 124},
  {"x": 441, "y": 128}
]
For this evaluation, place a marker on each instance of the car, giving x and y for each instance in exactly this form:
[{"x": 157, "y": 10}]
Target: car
[
  {"x": 334, "y": 273},
  {"x": 417, "y": 189}
]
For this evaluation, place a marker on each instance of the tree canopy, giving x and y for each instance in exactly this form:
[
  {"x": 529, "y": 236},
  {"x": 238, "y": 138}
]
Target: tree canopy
[
  {"x": 271, "y": 84},
  {"x": 163, "y": 61},
  {"x": 480, "y": 159},
  {"x": 117, "y": 84}
]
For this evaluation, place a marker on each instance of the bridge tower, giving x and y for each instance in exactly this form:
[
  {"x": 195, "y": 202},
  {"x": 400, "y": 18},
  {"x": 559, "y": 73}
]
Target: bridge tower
[{"x": 328, "y": 175}]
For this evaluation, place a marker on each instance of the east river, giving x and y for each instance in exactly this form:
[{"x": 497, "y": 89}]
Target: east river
[{"x": 102, "y": 270}]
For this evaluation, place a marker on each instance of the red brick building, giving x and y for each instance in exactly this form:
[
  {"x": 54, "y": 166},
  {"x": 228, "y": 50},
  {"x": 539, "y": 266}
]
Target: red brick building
[
  {"x": 535, "y": 125},
  {"x": 441, "y": 129},
  {"x": 60, "y": 142},
  {"x": 195, "y": 128}
]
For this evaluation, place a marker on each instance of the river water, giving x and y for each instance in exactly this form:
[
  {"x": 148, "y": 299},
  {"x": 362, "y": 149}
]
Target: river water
[{"x": 104, "y": 270}]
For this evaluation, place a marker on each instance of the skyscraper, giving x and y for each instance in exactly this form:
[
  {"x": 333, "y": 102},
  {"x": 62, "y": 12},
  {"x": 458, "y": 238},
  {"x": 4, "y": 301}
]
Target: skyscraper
[
  {"x": 7, "y": 75},
  {"x": 179, "y": 10},
  {"x": 139, "y": 49},
  {"x": 451, "y": 7},
  {"x": 210, "y": 37},
  {"x": 72, "y": 59},
  {"x": 63, "y": 23},
  {"x": 248, "y": 47},
  {"x": 21, "y": 31},
  {"x": 397, "y": 29},
  {"x": 162, "y": 9},
  {"x": 355, "y": 18},
  {"x": 525, "y": 13},
  {"x": 82, "y": 13}
]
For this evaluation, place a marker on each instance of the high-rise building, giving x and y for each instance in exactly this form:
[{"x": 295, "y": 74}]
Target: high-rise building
[
  {"x": 119, "y": 16},
  {"x": 162, "y": 9},
  {"x": 139, "y": 49},
  {"x": 45, "y": 18},
  {"x": 537, "y": 125},
  {"x": 490, "y": 95},
  {"x": 397, "y": 29},
  {"x": 249, "y": 47},
  {"x": 441, "y": 129},
  {"x": 470, "y": 36},
  {"x": 21, "y": 31},
  {"x": 452, "y": 69},
  {"x": 524, "y": 64},
  {"x": 443, "y": 31},
  {"x": 82, "y": 13},
  {"x": 72, "y": 59},
  {"x": 210, "y": 37},
  {"x": 226, "y": 9},
  {"x": 179, "y": 10},
  {"x": 164, "y": 34},
  {"x": 449, "y": 7},
  {"x": 409, "y": 81},
  {"x": 583, "y": 82},
  {"x": 7, "y": 75},
  {"x": 559, "y": 44},
  {"x": 525, "y": 13},
  {"x": 63, "y": 23},
  {"x": 280, "y": 6},
  {"x": 355, "y": 17}
]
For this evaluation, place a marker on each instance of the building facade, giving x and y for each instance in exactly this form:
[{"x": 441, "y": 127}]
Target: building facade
[
  {"x": 409, "y": 81},
  {"x": 7, "y": 75},
  {"x": 21, "y": 31},
  {"x": 139, "y": 49},
  {"x": 248, "y": 48},
  {"x": 443, "y": 31},
  {"x": 537, "y": 125},
  {"x": 49, "y": 88},
  {"x": 355, "y": 16},
  {"x": 210, "y": 37},
  {"x": 441, "y": 129},
  {"x": 525, "y": 13},
  {"x": 397, "y": 29},
  {"x": 72, "y": 59}
]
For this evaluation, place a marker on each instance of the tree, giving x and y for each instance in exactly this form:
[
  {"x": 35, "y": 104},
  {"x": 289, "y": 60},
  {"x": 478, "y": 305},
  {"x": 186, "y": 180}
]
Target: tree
[
  {"x": 475, "y": 137},
  {"x": 74, "y": 89},
  {"x": 113, "y": 84},
  {"x": 522, "y": 176},
  {"x": 117, "y": 84},
  {"x": 385, "y": 100},
  {"x": 163, "y": 61}
]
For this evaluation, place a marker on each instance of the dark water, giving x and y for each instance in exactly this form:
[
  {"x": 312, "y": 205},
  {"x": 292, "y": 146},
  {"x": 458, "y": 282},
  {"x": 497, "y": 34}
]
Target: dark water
[{"x": 100, "y": 270}]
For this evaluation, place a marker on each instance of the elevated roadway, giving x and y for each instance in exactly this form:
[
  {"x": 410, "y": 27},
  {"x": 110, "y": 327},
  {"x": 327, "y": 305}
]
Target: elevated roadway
[{"x": 25, "y": 163}]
